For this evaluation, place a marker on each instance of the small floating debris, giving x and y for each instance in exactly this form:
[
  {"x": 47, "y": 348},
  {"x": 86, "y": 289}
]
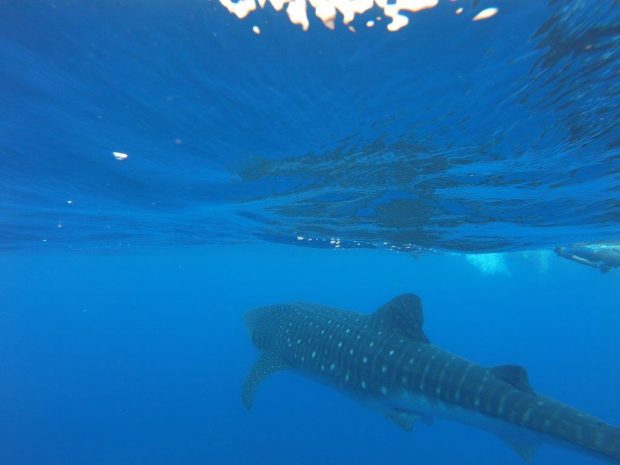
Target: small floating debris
[
  {"x": 370, "y": 23},
  {"x": 459, "y": 11},
  {"x": 486, "y": 14},
  {"x": 69, "y": 202},
  {"x": 120, "y": 156},
  {"x": 256, "y": 30}
]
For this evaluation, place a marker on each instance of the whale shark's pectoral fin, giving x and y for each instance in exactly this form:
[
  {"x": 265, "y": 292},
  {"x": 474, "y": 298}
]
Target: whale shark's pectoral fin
[
  {"x": 526, "y": 449},
  {"x": 515, "y": 375},
  {"x": 405, "y": 420},
  {"x": 402, "y": 420},
  {"x": 267, "y": 364}
]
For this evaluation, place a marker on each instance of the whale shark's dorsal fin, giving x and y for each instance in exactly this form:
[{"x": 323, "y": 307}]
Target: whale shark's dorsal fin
[
  {"x": 267, "y": 364},
  {"x": 515, "y": 375},
  {"x": 402, "y": 314}
]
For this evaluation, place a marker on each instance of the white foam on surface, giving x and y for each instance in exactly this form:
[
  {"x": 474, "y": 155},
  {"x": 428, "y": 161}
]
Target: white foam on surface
[
  {"x": 327, "y": 10},
  {"x": 486, "y": 14},
  {"x": 489, "y": 263}
]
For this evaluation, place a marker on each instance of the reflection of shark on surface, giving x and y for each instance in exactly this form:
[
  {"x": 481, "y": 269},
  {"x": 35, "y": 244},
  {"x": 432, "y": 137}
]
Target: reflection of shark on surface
[
  {"x": 385, "y": 361},
  {"x": 603, "y": 257}
]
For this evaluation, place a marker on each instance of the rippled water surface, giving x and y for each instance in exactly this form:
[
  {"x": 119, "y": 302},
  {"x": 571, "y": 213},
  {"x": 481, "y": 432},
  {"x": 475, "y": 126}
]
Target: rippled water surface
[
  {"x": 152, "y": 152},
  {"x": 448, "y": 134}
]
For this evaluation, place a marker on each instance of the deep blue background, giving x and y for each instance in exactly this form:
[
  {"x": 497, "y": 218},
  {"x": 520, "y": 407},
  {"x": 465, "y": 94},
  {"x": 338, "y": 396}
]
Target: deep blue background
[
  {"x": 450, "y": 134},
  {"x": 139, "y": 358},
  {"x": 123, "y": 283}
]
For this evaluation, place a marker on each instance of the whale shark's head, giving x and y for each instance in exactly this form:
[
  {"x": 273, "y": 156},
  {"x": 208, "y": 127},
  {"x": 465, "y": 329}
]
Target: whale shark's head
[
  {"x": 262, "y": 324},
  {"x": 253, "y": 317}
]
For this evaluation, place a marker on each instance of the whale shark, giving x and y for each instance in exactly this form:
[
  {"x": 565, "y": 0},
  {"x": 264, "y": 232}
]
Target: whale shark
[{"x": 385, "y": 361}]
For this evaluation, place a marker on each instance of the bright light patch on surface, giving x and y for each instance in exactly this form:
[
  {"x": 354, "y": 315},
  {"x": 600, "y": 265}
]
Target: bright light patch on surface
[
  {"x": 335, "y": 242},
  {"x": 327, "y": 10},
  {"x": 485, "y": 14},
  {"x": 541, "y": 259},
  {"x": 489, "y": 263},
  {"x": 242, "y": 8},
  {"x": 459, "y": 10},
  {"x": 256, "y": 30},
  {"x": 120, "y": 155},
  {"x": 298, "y": 13}
]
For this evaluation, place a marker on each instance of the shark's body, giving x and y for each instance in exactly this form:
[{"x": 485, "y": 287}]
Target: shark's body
[{"x": 386, "y": 361}]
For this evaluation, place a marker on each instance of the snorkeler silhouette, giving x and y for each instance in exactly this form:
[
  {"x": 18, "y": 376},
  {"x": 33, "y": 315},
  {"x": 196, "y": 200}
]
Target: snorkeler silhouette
[{"x": 603, "y": 257}]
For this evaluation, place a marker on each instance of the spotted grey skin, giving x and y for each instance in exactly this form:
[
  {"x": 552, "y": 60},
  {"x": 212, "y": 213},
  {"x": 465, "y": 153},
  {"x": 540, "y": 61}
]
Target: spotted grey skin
[{"x": 386, "y": 361}]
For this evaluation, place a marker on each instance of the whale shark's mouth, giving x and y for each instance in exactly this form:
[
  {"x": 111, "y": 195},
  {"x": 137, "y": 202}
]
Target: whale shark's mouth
[{"x": 251, "y": 318}]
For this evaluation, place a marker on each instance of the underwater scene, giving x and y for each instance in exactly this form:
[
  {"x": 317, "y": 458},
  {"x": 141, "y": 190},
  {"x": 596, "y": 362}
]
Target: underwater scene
[{"x": 300, "y": 232}]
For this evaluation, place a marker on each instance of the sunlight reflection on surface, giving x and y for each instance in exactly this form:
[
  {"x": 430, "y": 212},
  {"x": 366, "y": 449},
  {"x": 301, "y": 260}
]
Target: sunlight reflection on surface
[{"x": 327, "y": 10}]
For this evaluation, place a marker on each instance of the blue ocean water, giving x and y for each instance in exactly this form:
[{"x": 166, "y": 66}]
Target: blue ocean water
[
  {"x": 140, "y": 358},
  {"x": 164, "y": 169}
]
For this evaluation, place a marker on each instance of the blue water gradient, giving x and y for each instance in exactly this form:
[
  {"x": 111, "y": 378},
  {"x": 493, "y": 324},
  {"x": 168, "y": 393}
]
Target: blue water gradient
[
  {"x": 140, "y": 358},
  {"x": 123, "y": 282},
  {"x": 450, "y": 134}
]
